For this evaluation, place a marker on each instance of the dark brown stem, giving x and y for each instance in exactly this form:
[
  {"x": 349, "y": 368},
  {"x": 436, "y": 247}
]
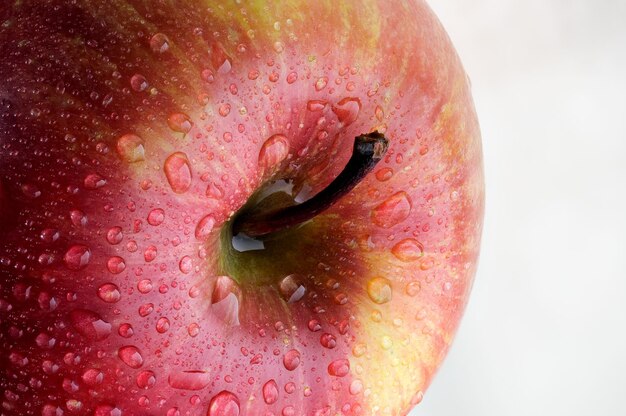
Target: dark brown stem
[{"x": 368, "y": 150}]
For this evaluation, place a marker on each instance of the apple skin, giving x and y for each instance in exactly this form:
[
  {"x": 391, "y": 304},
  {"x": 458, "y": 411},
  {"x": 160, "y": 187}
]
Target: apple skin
[{"x": 131, "y": 132}]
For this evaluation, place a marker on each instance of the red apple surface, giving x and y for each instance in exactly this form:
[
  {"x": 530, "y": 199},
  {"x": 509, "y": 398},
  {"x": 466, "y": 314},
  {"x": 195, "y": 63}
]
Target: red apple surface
[{"x": 143, "y": 147}]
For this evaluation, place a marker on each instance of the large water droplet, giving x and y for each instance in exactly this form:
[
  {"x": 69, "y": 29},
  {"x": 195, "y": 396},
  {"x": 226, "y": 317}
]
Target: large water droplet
[
  {"x": 115, "y": 235},
  {"x": 339, "y": 368},
  {"x": 321, "y": 83},
  {"x": 178, "y": 172},
  {"x": 316, "y": 105},
  {"x": 130, "y": 356},
  {"x": 90, "y": 325},
  {"x": 146, "y": 379},
  {"x": 107, "y": 410},
  {"x": 49, "y": 235},
  {"x": 116, "y": 265},
  {"x": 94, "y": 181},
  {"x": 204, "y": 227},
  {"x": 77, "y": 257},
  {"x": 92, "y": 377},
  {"x": 109, "y": 293},
  {"x": 159, "y": 43},
  {"x": 138, "y": 82},
  {"x": 347, "y": 110},
  {"x": 408, "y": 250},
  {"x": 78, "y": 218},
  {"x": 130, "y": 147},
  {"x": 328, "y": 341},
  {"x": 219, "y": 59},
  {"x": 189, "y": 380},
  {"x": 291, "y": 288},
  {"x": 156, "y": 217},
  {"x": 274, "y": 151},
  {"x": 186, "y": 264},
  {"x": 162, "y": 325},
  {"x": 180, "y": 122},
  {"x": 379, "y": 290},
  {"x": 270, "y": 392},
  {"x": 291, "y": 359},
  {"x": 224, "y": 403},
  {"x": 392, "y": 211},
  {"x": 225, "y": 300},
  {"x": 413, "y": 288}
]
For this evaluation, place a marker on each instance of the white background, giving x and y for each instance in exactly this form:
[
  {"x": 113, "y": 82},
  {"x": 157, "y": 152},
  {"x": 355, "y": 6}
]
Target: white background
[{"x": 545, "y": 330}]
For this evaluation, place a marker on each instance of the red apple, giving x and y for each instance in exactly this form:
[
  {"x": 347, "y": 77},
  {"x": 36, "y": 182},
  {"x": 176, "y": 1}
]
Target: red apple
[{"x": 174, "y": 240}]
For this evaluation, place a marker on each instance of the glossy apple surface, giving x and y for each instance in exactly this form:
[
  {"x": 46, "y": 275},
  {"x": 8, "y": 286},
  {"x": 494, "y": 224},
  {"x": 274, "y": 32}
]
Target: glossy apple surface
[{"x": 133, "y": 132}]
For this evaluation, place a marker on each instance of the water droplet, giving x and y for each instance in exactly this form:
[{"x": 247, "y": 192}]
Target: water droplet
[
  {"x": 109, "y": 293},
  {"x": 138, "y": 82},
  {"x": 94, "y": 181},
  {"x": 126, "y": 330},
  {"x": 379, "y": 290},
  {"x": 186, "y": 264},
  {"x": 146, "y": 379},
  {"x": 159, "y": 43},
  {"x": 77, "y": 257},
  {"x": 386, "y": 342},
  {"x": 225, "y": 300},
  {"x": 392, "y": 211},
  {"x": 115, "y": 235},
  {"x": 274, "y": 151},
  {"x": 417, "y": 398},
  {"x": 291, "y": 289},
  {"x": 189, "y": 380},
  {"x": 146, "y": 309},
  {"x": 193, "y": 330},
  {"x": 156, "y": 217},
  {"x": 78, "y": 218},
  {"x": 413, "y": 288},
  {"x": 106, "y": 410},
  {"x": 408, "y": 250},
  {"x": 347, "y": 110},
  {"x": 380, "y": 114},
  {"x": 130, "y": 356},
  {"x": 162, "y": 325},
  {"x": 224, "y": 110},
  {"x": 339, "y": 368},
  {"x": 204, "y": 227},
  {"x": 116, "y": 265},
  {"x": 291, "y": 359},
  {"x": 130, "y": 147},
  {"x": 219, "y": 59},
  {"x": 180, "y": 123},
  {"x": 384, "y": 174},
  {"x": 49, "y": 235},
  {"x": 314, "y": 325},
  {"x": 178, "y": 172},
  {"x": 92, "y": 377},
  {"x": 31, "y": 191},
  {"x": 321, "y": 83},
  {"x": 150, "y": 254},
  {"x": 316, "y": 105},
  {"x": 224, "y": 403},
  {"x": 90, "y": 325},
  {"x": 270, "y": 392},
  {"x": 214, "y": 191},
  {"x": 292, "y": 77},
  {"x": 328, "y": 341},
  {"x": 356, "y": 387}
]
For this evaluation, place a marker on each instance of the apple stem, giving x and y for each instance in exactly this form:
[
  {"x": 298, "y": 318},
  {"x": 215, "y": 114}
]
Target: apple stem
[{"x": 368, "y": 150}]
